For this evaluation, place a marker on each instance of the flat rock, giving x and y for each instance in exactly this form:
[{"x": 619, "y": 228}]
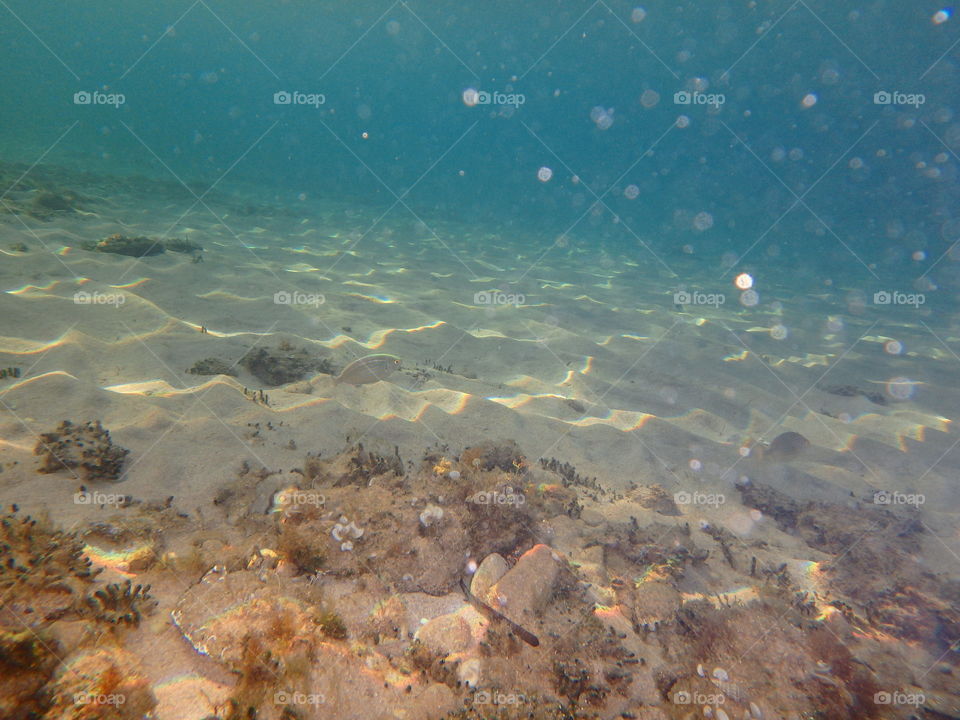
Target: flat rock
[
  {"x": 527, "y": 587},
  {"x": 446, "y": 634},
  {"x": 488, "y": 574}
]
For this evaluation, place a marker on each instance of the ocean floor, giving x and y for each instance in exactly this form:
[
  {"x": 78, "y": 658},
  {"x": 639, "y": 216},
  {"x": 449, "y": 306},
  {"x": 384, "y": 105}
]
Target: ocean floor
[{"x": 656, "y": 509}]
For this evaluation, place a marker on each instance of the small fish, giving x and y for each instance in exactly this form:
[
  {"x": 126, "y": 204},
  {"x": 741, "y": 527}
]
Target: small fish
[
  {"x": 528, "y": 637},
  {"x": 369, "y": 369},
  {"x": 785, "y": 446}
]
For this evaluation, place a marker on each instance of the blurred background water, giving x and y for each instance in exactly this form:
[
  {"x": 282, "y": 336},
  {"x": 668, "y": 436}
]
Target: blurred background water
[{"x": 795, "y": 162}]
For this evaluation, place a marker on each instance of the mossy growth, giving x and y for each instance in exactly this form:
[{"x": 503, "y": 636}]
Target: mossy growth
[
  {"x": 27, "y": 662},
  {"x": 531, "y": 708},
  {"x": 300, "y": 548},
  {"x": 332, "y": 625},
  {"x": 42, "y": 569}
]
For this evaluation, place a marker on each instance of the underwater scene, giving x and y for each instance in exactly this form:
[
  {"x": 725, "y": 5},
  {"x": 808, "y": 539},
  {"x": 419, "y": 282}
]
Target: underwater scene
[{"x": 406, "y": 360}]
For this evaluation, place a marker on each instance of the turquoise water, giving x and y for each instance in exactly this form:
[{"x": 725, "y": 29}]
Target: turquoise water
[{"x": 707, "y": 253}]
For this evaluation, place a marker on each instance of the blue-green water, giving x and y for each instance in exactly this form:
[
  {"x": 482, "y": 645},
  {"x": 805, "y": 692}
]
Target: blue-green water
[{"x": 708, "y": 253}]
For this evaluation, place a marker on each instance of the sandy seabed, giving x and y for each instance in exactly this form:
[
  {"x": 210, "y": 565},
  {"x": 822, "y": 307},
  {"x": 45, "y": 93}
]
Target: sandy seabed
[{"x": 600, "y": 452}]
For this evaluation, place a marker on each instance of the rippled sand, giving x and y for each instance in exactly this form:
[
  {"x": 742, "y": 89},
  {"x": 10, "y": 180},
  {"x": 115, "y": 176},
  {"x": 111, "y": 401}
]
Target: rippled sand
[{"x": 595, "y": 365}]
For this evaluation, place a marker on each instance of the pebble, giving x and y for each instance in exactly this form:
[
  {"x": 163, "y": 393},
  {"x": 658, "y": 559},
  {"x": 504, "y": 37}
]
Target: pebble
[
  {"x": 488, "y": 574},
  {"x": 454, "y": 474},
  {"x": 720, "y": 674},
  {"x": 722, "y": 715},
  {"x": 469, "y": 672},
  {"x": 755, "y": 711},
  {"x": 445, "y": 634}
]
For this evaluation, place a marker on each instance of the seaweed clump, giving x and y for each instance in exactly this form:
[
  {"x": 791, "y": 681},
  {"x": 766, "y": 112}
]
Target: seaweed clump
[
  {"x": 123, "y": 245},
  {"x": 85, "y": 448},
  {"x": 212, "y": 366},
  {"x": 282, "y": 365},
  {"x": 121, "y": 604},
  {"x": 492, "y": 455},
  {"x": 41, "y": 569}
]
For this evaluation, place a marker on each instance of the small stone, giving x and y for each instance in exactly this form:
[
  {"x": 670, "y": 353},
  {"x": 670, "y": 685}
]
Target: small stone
[
  {"x": 592, "y": 517},
  {"x": 445, "y": 634},
  {"x": 431, "y": 515},
  {"x": 469, "y": 672},
  {"x": 488, "y": 574},
  {"x": 721, "y": 715},
  {"x": 720, "y": 674},
  {"x": 755, "y": 711},
  {"x": 454, "y": 475}
]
